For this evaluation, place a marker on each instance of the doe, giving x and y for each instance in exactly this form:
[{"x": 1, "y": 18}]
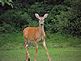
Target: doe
[{"x": 35, "y": 34}]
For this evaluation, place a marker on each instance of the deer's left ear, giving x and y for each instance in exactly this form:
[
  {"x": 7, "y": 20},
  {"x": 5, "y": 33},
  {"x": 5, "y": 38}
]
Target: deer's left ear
[
  {"x": 45, "y": 16},
  {"x": 37, "y": 15}
]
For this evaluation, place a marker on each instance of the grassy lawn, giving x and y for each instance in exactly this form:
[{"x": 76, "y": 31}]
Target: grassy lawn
[
  {"x": 57, "y": 54},
  {"x": 61, "y": 48}
]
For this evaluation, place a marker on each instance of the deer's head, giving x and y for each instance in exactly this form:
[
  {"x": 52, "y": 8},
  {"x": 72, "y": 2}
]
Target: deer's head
[{"x": 41, "y": 19}]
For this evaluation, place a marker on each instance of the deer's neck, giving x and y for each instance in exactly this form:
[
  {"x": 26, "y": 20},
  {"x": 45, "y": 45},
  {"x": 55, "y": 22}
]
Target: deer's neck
[{"x": 41, "y": 28}]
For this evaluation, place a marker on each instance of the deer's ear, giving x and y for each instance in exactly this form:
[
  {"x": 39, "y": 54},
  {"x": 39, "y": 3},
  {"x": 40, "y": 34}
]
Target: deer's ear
[
  {"x": 45, "y": 16},
  {"x": 37, "y": 15}
]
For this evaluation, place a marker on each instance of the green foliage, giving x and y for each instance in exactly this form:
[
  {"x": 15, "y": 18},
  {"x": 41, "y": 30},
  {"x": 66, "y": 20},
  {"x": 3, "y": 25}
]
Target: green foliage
[
  {"x": 15, "y": 19},
  {"x": 6, "y": 28},
  {"x": 39, "y": 8},
  {"x": 74, "y": 25},
  {"x": 9, "y": 2},
  {"x": 64, "y": 16},
  {"x": 58, "y": 18}
]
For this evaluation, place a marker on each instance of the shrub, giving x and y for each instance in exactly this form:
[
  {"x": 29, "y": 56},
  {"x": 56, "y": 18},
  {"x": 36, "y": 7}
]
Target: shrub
[
  {"x": 58, "y": 18},
  {"x": 16, "y": 19}
]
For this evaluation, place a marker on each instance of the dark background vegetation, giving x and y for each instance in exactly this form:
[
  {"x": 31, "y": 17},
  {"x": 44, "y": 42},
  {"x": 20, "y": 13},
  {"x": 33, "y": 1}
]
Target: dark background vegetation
[
  {"x": 64, "y": 15},
  {"x": 64, "y": 18}
]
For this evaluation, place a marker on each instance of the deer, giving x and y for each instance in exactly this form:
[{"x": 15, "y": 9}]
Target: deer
[{"x": 34, "y": 35}]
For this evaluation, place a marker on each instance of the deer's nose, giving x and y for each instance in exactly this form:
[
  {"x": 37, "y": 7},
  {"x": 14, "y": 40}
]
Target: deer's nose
[{"x": 41, "y": 24}]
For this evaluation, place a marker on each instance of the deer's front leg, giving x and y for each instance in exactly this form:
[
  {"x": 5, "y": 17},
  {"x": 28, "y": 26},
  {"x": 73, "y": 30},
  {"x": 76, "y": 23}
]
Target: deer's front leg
[
  {"x": 44, "y": 44},
  {"x": 36, "y": 47}
]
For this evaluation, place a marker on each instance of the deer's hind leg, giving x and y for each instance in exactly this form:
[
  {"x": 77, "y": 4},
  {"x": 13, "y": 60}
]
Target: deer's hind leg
[{"x": 27, "y": 53}]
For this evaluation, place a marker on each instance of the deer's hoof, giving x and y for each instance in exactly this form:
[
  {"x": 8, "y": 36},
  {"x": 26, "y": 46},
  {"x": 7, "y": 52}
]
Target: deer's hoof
[{"x": 28, "y": 59}]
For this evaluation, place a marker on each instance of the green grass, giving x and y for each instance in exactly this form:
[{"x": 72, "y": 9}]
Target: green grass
[
  {"x": 63, "y": 40},
  {"x": 11, "y": 40},
  {"x": 57, "y": 54},
  {"x": 61, "y": 48},
  {"x": 16, "y": 40}
]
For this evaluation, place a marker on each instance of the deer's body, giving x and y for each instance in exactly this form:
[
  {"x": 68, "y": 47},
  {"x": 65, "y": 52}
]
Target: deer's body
[{"x": 35, "y": 34}]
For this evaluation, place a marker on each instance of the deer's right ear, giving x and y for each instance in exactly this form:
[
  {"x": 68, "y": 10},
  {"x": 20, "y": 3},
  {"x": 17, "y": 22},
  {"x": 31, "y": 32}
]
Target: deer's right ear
[{"x": 37, "y": 15}]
